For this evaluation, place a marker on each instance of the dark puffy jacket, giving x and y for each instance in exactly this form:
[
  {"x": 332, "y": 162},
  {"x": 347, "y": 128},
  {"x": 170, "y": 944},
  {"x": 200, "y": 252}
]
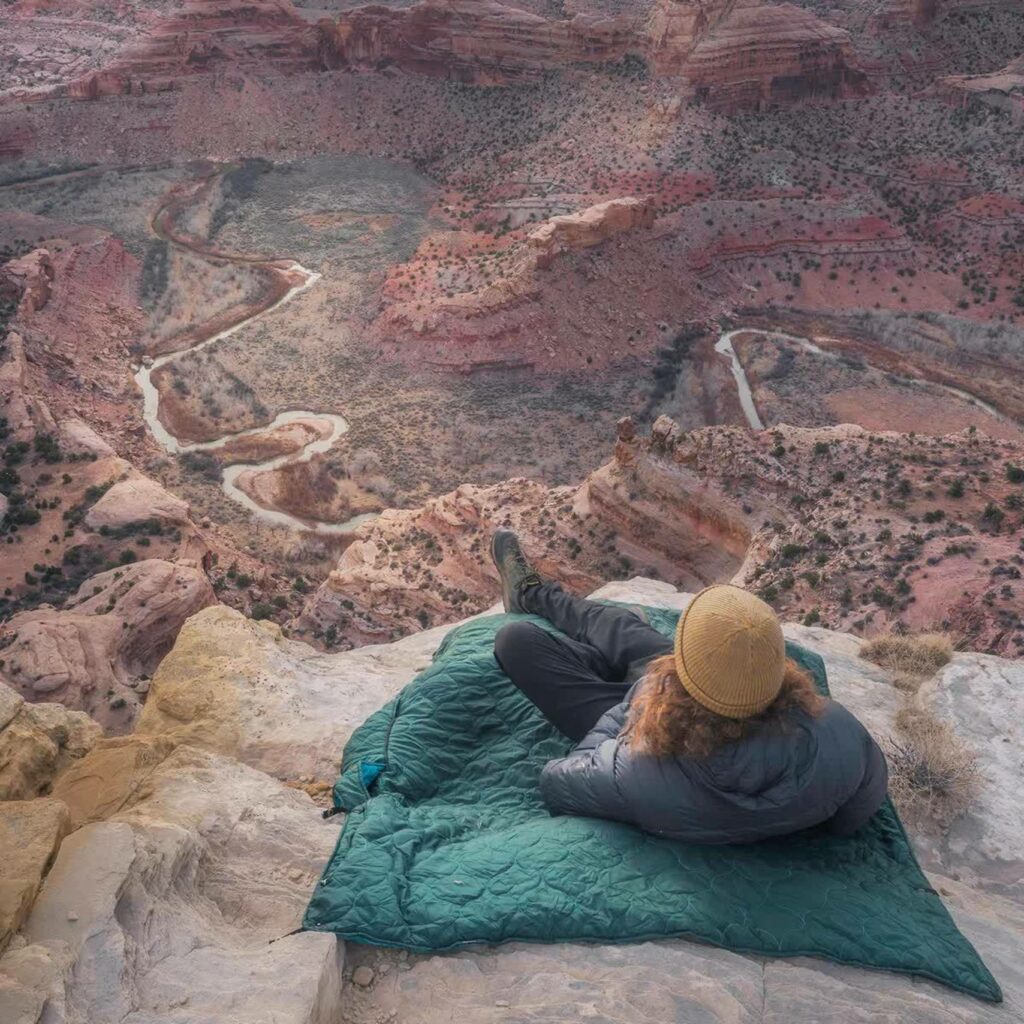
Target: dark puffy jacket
[{"x": 797, "y": 772}]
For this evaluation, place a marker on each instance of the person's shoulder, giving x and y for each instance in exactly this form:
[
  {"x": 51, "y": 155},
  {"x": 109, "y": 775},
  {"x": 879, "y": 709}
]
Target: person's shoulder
[{"x": 837, "y": 716}]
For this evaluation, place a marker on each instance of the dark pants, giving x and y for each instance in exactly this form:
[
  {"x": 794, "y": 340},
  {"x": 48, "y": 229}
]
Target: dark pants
[{"x": 574, "y": 679}]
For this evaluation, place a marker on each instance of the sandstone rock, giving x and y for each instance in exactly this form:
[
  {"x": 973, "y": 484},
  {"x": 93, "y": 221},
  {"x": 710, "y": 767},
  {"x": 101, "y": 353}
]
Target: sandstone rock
[
  {"x": 136, "y": 500},
  {"x": 116, "y": 629},
  {"x": 170, "y": 43},
  {"x": 28, "y": 279},
  {"x": 484, "y": 42},
  {"x": 982, "y": 697},
  {"x": 766, "y": 53},
  {"x": 590, "y": 227},
  {"x": 31, "y": 983},
  {"x": 734, "y": 52},
  {"x": 631, "y": 984},
  {"x": 79, "y": 438},
  {"x": 30, "y": 833},
  {"x": 709, "y": 505},
  {"x": 25, "y": 415},
  {"x": 212, "y": 855},
  {"x": 366, "y": 598},
  {"x": 363, "y": 976},
  {"x": 241, "y": 688},
  {"x": 37, "y": 741},
  {"x": 1002, "y": 90},
  {"x": 573, "y": 231},
  {"x": 110, "y": 776}
]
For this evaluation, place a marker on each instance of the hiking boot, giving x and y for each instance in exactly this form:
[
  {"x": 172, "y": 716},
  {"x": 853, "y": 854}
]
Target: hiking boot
[{"x": 514, "y": 571}]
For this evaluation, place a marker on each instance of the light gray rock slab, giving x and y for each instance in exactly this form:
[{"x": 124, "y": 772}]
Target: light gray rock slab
[
  {"x": 527, "y": 984},
  {"x": 982, "y": 697},
  {"x": 166, "y": 913}
]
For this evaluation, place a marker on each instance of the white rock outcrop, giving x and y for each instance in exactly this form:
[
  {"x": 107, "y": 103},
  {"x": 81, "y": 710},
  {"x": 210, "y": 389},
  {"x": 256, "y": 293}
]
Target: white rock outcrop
[{"x": 166, "y": 911}]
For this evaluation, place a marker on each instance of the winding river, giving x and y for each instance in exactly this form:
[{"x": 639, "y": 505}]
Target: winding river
[
  {"x": 232, "y": 471},
  {"x": 724, "y": 346}
]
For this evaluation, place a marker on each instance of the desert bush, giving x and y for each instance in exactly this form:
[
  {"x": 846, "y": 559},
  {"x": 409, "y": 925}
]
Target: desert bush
[
  {"x": 933, "y": 775},
  {"x": 916, "y": 656}
]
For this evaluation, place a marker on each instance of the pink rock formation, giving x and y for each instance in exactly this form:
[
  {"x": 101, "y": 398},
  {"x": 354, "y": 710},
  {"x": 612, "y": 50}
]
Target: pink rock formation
[
  {"x": 557, "y": 235},
  {"x": 468, "y": 39},
  {"x": 590, "y": 227},
  {"x": 153, "y": 47},
  {"x": 718, "y": 504},
  {"x": 29, "y": 277},
  {"x": 97, "y": 654},
  {"x": 135, "y": 500}
]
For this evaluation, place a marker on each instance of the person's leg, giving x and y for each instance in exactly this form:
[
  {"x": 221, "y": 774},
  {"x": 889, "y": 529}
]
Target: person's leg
[
  {"x": 567, "y": 680},
  {"x": 621, "y": 636}
]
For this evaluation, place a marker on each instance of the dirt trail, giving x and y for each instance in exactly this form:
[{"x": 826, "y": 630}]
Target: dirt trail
[{"x": 724, "y": 347}]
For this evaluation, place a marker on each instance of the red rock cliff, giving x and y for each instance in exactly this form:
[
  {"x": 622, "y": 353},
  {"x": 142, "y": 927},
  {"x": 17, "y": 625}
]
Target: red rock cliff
[
  {"x": 734, "y": 52},
  {"x": 201, "y": 36}
]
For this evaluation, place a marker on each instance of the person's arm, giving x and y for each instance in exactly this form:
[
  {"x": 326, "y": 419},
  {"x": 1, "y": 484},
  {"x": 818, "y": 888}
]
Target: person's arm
[
  {"x": 585, "y": 782},
  {"x": 867, "y": 797}
]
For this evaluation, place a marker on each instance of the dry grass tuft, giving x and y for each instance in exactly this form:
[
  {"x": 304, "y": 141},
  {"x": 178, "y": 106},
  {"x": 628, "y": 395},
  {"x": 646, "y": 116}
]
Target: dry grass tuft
[
  {"x": 933, "y": 774},
  {"x": 911, "y": 657}
]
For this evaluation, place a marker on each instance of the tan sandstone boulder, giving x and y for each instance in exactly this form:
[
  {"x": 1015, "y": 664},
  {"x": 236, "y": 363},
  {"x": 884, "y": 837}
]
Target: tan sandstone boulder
[
  {"x": 591, "y": 226},
  {"x": 37, "y": 741},
  {"x": 240, "y": 687},
  {"x": 110, "y": 776},
  {"x": 30, "y": 833}
]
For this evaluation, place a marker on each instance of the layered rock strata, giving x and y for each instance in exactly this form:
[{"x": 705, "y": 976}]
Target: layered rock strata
[{"x": 734, "y": 53}]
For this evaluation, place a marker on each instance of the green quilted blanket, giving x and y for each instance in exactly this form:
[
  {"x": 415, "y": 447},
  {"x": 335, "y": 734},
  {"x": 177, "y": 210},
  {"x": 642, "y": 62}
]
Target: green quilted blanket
[{"x": 446, "y": 843}]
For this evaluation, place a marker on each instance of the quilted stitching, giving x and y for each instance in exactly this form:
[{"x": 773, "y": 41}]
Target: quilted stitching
[{"x": 448, "y": 843}]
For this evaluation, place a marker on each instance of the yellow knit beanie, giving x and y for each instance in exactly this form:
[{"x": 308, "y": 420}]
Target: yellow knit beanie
[{"x": 730, "y": 654}]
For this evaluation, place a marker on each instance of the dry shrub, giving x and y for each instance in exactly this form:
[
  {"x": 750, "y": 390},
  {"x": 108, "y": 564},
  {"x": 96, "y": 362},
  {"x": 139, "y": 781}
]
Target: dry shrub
[
  {"x": 933, "y": 774},
  {"x": 913, "y": 657}
]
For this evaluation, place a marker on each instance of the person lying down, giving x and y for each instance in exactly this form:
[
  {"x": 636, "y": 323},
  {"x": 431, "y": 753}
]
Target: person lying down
[{"x": 715, "y": 737}]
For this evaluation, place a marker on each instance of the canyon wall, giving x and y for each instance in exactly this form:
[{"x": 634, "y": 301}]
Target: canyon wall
[
  {"x": 469, "y": 40},
  {"x": 765, "y": 54},
  {"x": 153, "y": 48},
  {"x": 733, "y": 52},
  {"x": 1003, "y": 90}
]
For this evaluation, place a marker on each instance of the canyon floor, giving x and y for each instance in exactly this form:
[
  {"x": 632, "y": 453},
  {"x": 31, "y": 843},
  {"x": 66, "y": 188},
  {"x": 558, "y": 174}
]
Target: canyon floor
[{"x": 299, "y": 301}]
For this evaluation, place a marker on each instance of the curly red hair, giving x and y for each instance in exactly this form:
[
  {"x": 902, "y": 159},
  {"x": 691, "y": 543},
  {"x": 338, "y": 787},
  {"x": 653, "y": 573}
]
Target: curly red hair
[{"x": 664, "y": 720}]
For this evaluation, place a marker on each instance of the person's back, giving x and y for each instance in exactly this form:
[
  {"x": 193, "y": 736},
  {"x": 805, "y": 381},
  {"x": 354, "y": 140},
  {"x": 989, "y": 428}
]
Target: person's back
[{"x": 786, "y": 773}]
